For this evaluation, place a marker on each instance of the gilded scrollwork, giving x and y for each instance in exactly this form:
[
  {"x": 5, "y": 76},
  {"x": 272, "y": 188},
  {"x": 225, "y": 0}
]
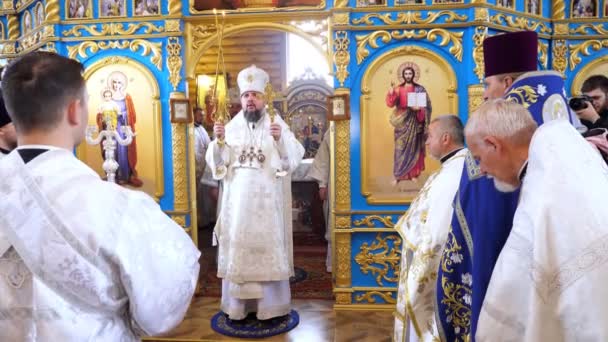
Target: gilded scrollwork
[
  {"x": 341, "y": 55},
  {"x": 596, "y": 29},
  {"x": 368, "y": 221},
  {"x": 447, "y": 37},
  {"x": 343, "y": 259},
  {"x": 112, "y": 29},
  {"x": 174, "y": 61},
  {"x": 519, "y": 23},
  {"x": 388, "y": 258},
  {"x": 50, "y": 47},
  {"x": 583, "y": 49},
  {"x": 481, "y": 33},
  {"x": 543, "y": 55},
  {"x": 368, "y": 297},
  {"x": 83, "y": 49},
  {"x": 200, "y": 34},
  {"x": 343, "y": 298},
  {"x": 343, "y": 165},
  {"x": 180, "y": 179},
  {"x": 526, "y": 95},
  {"x": 410, "y": 17},
  {"x": 560, "y": 55}
]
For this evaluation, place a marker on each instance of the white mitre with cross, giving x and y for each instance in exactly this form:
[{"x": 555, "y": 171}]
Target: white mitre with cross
[{"x": 252, "y": 79}]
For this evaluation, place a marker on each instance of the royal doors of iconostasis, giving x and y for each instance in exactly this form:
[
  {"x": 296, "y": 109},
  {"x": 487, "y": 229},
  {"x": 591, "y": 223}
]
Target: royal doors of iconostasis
[{"x": 297, "y": 63}]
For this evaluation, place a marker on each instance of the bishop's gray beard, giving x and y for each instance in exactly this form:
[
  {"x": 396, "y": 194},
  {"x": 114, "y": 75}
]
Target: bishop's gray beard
[{"x": 253, "y": 116}]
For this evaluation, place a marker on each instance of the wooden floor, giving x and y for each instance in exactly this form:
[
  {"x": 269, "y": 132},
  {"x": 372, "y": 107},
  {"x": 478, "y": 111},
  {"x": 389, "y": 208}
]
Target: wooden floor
[{"x": 318, "y": 323}]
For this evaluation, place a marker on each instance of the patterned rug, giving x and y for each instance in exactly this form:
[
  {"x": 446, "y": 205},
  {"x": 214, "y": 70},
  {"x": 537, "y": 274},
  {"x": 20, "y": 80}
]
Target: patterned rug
[
  {"x": 251, "y": 327},
  {"x": 311, "y": 280}
]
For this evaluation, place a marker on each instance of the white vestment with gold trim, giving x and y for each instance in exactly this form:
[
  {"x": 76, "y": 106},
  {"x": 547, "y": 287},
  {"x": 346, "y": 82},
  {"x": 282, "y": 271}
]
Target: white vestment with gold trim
[
  {"x": 424, "y": 230},
  {"x": 549, "y": 282},
  {"x": 254, "y": 226},
  {"x": 86, "y": 260}
]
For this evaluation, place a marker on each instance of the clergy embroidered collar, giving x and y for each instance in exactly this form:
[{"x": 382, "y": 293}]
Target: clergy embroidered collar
[
  {"x": 522, "y": 171},
  {"x": 449, "y": 155}
]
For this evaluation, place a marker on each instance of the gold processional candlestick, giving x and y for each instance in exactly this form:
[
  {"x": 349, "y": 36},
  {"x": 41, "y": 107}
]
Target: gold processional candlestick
[
  {"x": 270, "y": 95},
  {"x": 219, "y": 112}
]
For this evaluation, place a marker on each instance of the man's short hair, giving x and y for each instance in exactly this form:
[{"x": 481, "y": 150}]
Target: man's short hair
[
  {"x": 451, "y": 125},
  {"x": 595, "y": 82},
  {"x": 196, "y": 109},
  {"x": 38, "y": 86}
]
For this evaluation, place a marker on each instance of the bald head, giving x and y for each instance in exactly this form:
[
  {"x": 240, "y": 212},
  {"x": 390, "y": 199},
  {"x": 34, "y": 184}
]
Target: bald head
[
  {"x": 445, "y": 135},
  {"x": 498, "y": 135}
]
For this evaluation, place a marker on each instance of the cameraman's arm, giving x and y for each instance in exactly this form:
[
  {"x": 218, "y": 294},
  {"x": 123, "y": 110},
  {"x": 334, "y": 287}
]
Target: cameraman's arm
[{"x": 590, "y": 115}]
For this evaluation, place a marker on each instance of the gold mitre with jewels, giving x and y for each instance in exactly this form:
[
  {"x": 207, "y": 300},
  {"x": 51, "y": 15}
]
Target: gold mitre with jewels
[{"x": 252, "y": 79}]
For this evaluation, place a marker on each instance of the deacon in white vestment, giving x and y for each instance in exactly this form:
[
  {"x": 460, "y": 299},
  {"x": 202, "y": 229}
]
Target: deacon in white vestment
[
  {"x": 424, "y": 230},
  {"x": 549, "y": 283},
  {"x": 207, "y": 187},
  {"x": 81, "y": 259},
  {"x": 319, "y": 171},
  {"x": 253, "y": 229}
]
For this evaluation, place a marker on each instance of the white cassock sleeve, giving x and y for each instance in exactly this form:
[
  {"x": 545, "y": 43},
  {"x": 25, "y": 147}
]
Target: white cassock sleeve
[
  {"x": 218, "y": 159},
  {"x": 320, "y": 166},
  {"x": 158, "y": 267},
  {"x": 290, "y": 149}
]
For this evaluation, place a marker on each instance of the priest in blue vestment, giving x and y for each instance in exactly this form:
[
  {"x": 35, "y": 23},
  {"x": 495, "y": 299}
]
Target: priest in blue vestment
[{"x": 483, "y": 215}]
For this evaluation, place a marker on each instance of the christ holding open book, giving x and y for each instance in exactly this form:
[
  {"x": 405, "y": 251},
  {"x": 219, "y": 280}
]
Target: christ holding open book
[{"x": 410, "y": 118}]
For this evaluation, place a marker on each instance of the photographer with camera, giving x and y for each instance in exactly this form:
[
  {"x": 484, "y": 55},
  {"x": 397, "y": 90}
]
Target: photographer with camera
[{"x": 592, "y": 106}]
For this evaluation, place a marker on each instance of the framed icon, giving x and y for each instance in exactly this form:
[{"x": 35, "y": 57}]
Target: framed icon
[
  {"x": 338, "y": 107},
  {"x": 180, "y": 111}
]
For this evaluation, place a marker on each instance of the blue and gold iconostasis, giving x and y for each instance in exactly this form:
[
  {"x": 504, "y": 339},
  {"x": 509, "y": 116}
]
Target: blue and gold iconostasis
[{"x": 152, "y": 49}]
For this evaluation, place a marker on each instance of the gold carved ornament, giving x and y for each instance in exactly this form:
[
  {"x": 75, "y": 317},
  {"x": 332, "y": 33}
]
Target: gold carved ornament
[
  {"x": 482, "y": 14},
  {"x": 369, "y": 297},
  {"x": 340, "y": 3},
  {"x": 525, "y": 95},
  {"x": 559, "y": 9},
  {"x": 174, "y": 61},
  {"x": 179, "y": 219},
  {"x": 175, "y": 7},
  {"x": 342, "y": 222},
  {"x": 340, "y": 19},
  {"x": 8, "y": 5},
  {"x": 200, "y": 34},
  {"x": 410, "y": 18},
  {"x": 172, "y": 25},
  {"x": 475, "y": 97},
  {"x": 368, "y": 221},
  {"x": 13, "y": 27},
  {"x": 560, "y": 55},
  {"x": 447, "y": 37},
  {"x": 180, "y": 179},
  {"x": 343, "y": 165},
  {"x": 112, "y": 29},
  {"x": 481, "y": 33},
  {"x": 599, "y": 29},
  {"x": 343, "y": 298},
  {"x": 543, "y": 54},
  {"x": 52, "y": 11},
  {"x": 560, "y": 28},
  {"x": 519, "y": 23},
  {"x": 341, "y": 55},
  {"x": 388, "y": 258},
  {"x": 583, "y": 49},
  {"x": 148, "y": 47},
  {"x": 343, "y": 259}
]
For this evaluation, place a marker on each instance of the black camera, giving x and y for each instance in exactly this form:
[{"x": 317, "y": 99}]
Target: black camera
[{"x": 579, "y": 102}]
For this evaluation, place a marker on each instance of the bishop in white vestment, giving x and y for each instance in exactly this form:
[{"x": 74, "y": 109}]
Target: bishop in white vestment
[
  {"x": 253, "y": 229},
  {"x": 424, "y": 230},
  {"x": 549, "y": 282}
]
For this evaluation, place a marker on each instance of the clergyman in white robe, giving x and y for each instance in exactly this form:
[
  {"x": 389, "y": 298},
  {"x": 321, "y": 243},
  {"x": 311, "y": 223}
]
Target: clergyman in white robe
[
  {"x": 86, "y": 260},
  {"x": 424, "y": 230},
  {"x": 549, "y": 283},
  {"x": 254, "y": 225},
  {"x": 319, "y": 171},
  {"x": 204, "y": 178}
]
